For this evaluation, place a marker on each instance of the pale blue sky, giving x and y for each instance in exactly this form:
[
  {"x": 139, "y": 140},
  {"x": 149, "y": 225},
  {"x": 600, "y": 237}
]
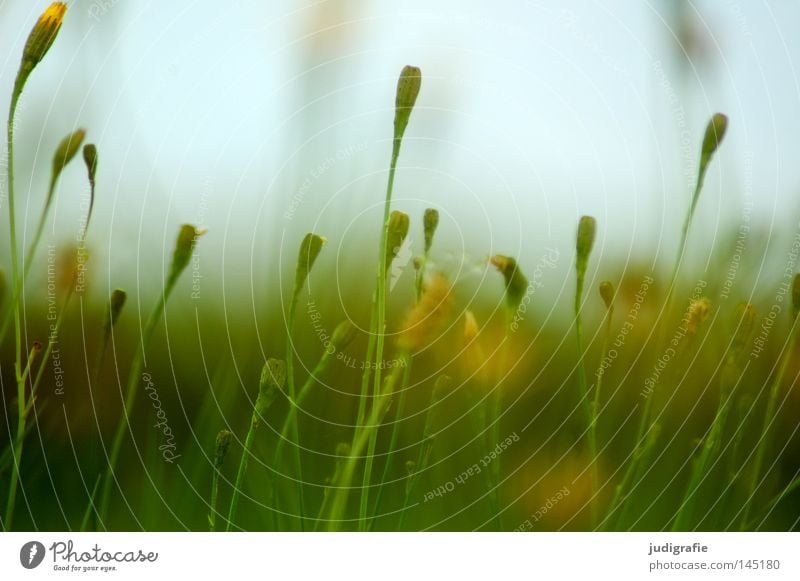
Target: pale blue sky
[{"x": 531, "y": 113}]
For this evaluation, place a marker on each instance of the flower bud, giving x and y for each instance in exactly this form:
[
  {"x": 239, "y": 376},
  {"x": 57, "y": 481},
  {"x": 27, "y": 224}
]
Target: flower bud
[
  {"x": 408, "y": 86},
  {"x": 184, "y": 247},
  {"x": 223, "y": 442},
  {"x": 587, "y": 227},
  {"x": 430, "y": 222},
  {"x": 310, "y": 248},
  {"x": 64, "y": 154},
  {"x": 715, "y": 132},
  {"x": 607, "y": 293},
  {"x": 344, "y": 334},
  {"x": 90, "y": 159},
  {"x": 116, "y": 302},
  {"x": 40, "y": 40},
  {"x": 516, "y": 283},
  {"x": 273, "y": 378},
  {"x": 397, "y": 230}
]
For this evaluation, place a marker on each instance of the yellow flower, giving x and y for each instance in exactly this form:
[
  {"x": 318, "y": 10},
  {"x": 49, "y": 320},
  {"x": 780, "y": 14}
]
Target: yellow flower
[{"x": 43, "y": 34}]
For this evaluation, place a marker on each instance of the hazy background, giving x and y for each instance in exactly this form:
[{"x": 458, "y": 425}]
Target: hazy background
[{"x": 264, "y": 120}]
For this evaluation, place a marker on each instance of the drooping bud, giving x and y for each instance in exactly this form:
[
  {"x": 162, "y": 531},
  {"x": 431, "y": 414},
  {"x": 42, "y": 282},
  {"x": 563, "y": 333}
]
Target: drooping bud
[
  {"x": 65, "y": 152},
  {"x": 408, "y": 87},
  {"x": 310, "y": 248},
  {"x": 516, "y": 283},
  {"x": 90, "y": 159},
  {"x": 430, "y": 222},
  {"x": 115, "y": 305},
  {"x": 607, "y": 293},
  {"x": 397, "y": 230},
  {"x": 184, "y": 247}
]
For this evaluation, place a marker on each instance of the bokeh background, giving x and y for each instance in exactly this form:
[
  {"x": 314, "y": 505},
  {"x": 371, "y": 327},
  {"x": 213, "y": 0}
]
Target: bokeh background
[{"x": 263, "y": 121}]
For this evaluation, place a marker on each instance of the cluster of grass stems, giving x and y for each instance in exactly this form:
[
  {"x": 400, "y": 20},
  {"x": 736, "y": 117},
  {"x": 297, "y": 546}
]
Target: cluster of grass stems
[{"x": 355, "y": 496}]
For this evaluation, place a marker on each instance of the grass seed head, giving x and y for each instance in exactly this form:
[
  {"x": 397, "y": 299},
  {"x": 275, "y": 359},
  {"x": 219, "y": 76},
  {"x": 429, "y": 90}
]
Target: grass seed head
[
  {"x": 408, "y": 87},
  {"x": 516, "y": 283},
  {"x": 397, "y": 232},
  {"x": 310, "y": 248},
  {"x": 430, "y": 222},
  {"x": 273, "y": 378},
  {"x": 223, "y": 442},
  {"x": 41, "y": 38},
  {"x": 607, "y": 293}
]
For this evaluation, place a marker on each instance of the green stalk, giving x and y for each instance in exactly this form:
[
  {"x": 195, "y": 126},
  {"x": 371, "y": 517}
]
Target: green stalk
[
  {"x": 309, "y": 251},
  {"x": 408, "y": 87},
  {"x": 343, "y": 335},
  {"x": 728, "y": 381},
  {"x": 40, "y": 39},
  {"x": 715, "y": 132},
  {"x": 585, "y": 241},
  {"x": 337, "y": 499},
  {"x": 273, "y": 378},
  {"x": 607, "y": 293},
  {"x": 769, "y": 416},
  {"x": 401, "y": 406},
  {"x": 12, "y": 489},
  {"x": 426, "y": 446},
  {"x": 222, "y": 444},
  {"x": 184, "y": 247}
]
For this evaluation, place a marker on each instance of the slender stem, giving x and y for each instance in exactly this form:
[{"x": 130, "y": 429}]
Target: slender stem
[
  {"x": 422, "y": 461},
  {"x": 12, "y": 229},
  {"x": 380, "y": 326},
  {"x": 130, "y": 398},
  {"x": 769, "y": 414},
  {"x": 87, "y": 514},
  {"x": 595, "y": 411},
  {"x": 291, "y": 418},
  {"x": 582, "y": 382},
  {"x": 298, "y": 464},
  {"x": 248, "y": 446},
  {"x": 644, "y": 421},
  {"x": 337, "y": 499},
  {"x": 496, "y": 400},
  {"x": 401, "y": 406}
]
